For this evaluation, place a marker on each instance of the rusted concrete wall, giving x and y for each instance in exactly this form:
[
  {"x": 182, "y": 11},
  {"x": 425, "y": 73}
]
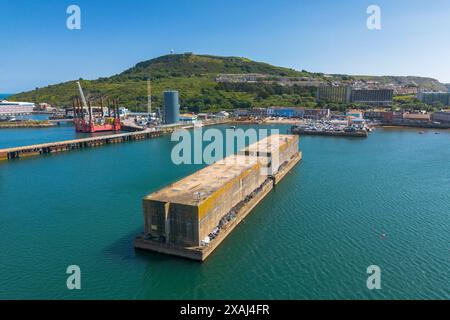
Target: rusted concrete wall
[
  {"x": 288, "y": 150},
  {"x": 189, "y": 224},
  {"x": 222, "y": 201},
  {"x": 283, "y": 148},
  {"x": 177, "y": 223}
]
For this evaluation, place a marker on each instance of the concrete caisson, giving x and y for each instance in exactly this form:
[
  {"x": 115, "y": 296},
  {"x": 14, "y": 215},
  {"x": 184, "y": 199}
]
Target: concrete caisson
[{"x": 192, "y": 216}]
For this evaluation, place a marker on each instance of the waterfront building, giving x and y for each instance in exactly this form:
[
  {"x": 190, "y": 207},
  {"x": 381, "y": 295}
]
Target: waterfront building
[
  {"x": 355, "y": 114},
  {"x": 386, "y": 116},
  {"x": 252, "y": 112},
  {"x": 317, "y": 114},
  {"x": 171, "y": 107},
  {"x": 241, "y": 112},
  {"x": 416, "y": 117},
  {"x": 10, "y": 108},
  {"x": 339, "y": 94},
  {"x": 347, "y": 94},
  {"x": 441, "y": 116},
  {"x": 337, "y": 115},
  {"x": 223, "y": 114},
  {"x": 378, "y": 97},
  {"x": 286, "y": 112},
  {"x": 298, "y": 112},
  {"x": 433, "y": 97},
  {"x": 257, "y": 112},
  {"x": 376, "y": 114}
]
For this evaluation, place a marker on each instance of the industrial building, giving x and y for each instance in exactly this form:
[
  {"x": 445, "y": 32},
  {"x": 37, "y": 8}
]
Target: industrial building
[
  {"x": 171, "y": 107},
  {"x": 9, "y": 108},
  {"x": 433, "y": 97},
  {"x": 192, "y": 216}
]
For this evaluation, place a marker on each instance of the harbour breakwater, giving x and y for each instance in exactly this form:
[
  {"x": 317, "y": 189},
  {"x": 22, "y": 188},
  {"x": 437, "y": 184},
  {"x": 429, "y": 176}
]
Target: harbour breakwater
[
  {"x": 355, "y": 133},
  {"x": 27, "y": 124},
  {"x": 72, "y": 145}
]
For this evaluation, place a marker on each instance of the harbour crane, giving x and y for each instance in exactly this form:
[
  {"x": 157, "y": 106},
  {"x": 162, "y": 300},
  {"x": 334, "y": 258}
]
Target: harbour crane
[{"x": 83, "y": 98}]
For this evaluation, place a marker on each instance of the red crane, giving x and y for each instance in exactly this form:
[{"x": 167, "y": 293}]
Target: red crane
[{"x": 89, "y": 122}]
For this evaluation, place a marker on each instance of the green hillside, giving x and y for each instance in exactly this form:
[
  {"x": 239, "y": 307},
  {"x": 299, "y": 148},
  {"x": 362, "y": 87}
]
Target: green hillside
[
  {"x": 191, "y": 65},
  {"x": 193, "y": 75}
]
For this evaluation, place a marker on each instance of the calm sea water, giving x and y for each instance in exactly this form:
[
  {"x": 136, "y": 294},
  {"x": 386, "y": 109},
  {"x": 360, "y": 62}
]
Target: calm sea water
[
  {"x": 4, "y": 95},
  {"x": 23, "y": 137},
  {"x": 313, "y": 237}
]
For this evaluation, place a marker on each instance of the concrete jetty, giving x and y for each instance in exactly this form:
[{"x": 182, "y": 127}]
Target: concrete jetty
[{"x": 71, "y": 145}]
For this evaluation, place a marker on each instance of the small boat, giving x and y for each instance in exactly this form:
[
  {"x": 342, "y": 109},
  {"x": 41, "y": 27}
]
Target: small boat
[
  {"x": 232, "y": 127},
  {"x": 437, "y": 133},
  {"x": 421, "y": 132}
]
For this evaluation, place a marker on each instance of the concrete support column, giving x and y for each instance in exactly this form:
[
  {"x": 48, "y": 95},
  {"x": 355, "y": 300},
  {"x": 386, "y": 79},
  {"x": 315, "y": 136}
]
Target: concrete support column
[{"x": 167, "y": 221}]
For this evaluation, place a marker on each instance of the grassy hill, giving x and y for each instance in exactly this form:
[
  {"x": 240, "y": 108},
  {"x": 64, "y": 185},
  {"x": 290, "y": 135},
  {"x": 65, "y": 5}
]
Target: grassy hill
[
  {"x": 194, "y": 76},
  {"x": 190, "y": 65}
]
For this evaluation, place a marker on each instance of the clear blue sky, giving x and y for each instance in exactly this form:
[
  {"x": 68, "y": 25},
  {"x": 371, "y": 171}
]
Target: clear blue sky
[{"x": 316, "y": 35}]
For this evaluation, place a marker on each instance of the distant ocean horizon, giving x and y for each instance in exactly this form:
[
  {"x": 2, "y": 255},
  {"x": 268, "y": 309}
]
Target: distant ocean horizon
[{"x": 5, "y": 95}]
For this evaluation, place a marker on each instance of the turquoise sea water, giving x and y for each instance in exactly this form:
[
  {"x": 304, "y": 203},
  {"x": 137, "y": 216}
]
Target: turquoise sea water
[
  {"x": 4, "y": 95},
  {"x": 22, "y": 137},
  {"x": 34, "y": 116},
  {"x": 313, "y": 237}
]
